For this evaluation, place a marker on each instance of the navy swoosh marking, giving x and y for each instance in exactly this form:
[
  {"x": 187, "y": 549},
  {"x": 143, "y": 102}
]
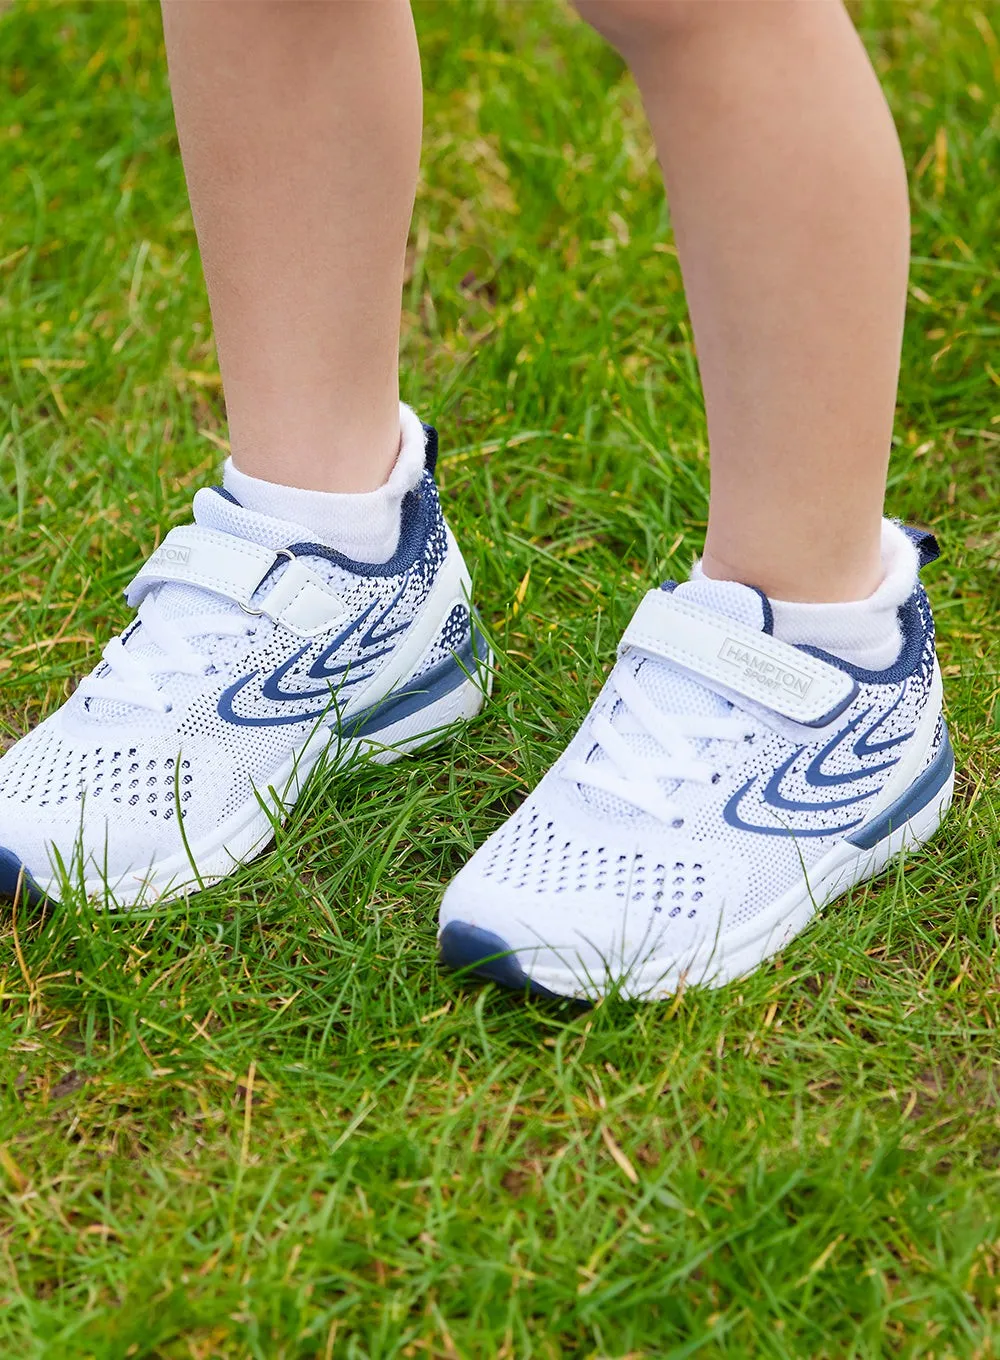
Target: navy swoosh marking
[
  {"x": 434, "y": 684},
  {"x": 915, "y": 798},
  {"x": 775, "y": 798},
  {"x": 814, "y": 774},
  {"x": 319, "y": 670},
  {"x": 342, "y": 668},
  {"x": 229, "y": 714},
  {"x": 371, "y": 637},
  {"x": 864, "y": 747},
  {"x": 271, "y": 687},
  {"x": 271, "y": 690},
  {"x": 732, "y": 816}
]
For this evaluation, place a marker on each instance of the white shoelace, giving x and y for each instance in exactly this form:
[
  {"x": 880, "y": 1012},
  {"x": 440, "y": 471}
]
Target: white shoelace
[
  {"x": 637, "y": 779},
  {"x": 132, "y": 679}
]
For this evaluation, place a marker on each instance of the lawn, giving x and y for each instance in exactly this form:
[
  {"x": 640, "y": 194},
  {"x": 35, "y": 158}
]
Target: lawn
[{"x": 263, "y": 1123}]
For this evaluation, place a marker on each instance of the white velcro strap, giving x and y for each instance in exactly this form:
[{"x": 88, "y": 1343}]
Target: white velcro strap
[
  {"x": 190, "y": 555},
  {"x": 302, "y": 602},
  {"x": 739, "y": 659}
]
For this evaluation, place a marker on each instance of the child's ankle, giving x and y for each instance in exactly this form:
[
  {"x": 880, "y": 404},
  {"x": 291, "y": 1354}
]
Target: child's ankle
[
  {"x": 364, "y": 526},
  {"x": 866, "y": 632}
]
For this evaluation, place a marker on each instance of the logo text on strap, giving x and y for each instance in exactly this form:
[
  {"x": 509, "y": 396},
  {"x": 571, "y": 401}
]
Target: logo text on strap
[
  {"x": 169, "y": 552},
  {"x": 763, "y": 671}
]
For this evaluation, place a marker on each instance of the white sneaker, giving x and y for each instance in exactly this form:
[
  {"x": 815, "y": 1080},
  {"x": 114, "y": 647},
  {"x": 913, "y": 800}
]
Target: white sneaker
[
  {"x": 724, "y": 787},
  {"x": 253, "y": 653}
]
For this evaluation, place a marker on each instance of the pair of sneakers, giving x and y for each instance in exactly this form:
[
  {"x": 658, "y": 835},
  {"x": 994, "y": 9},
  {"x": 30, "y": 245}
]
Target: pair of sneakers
[{"x": 724, "y": 787}]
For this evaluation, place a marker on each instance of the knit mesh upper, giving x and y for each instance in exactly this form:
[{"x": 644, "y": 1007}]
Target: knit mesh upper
[
  {"x": 581, "y": 869},
  {"x": 117, "y": 772}
]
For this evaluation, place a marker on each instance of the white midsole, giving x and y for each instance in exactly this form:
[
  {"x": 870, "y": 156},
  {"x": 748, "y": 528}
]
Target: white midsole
[
  {"x": 722, "y": 959},
  {"x": 250, "y": 829}
]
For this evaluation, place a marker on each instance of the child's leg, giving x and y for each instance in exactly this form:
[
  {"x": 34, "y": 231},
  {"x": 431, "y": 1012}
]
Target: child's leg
[
  {"x": 300, "y": 126},
  {"x": 788, "y": 197},
  {"x": 318, "y": 602},
  {"x": 728, "y": 782}
]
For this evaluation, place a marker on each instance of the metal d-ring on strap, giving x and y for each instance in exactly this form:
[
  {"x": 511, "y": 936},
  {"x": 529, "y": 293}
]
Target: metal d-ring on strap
[{"x": 281, "y": 552}]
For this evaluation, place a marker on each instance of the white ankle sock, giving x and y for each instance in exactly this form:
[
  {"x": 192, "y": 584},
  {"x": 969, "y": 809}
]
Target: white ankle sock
[
  {"x": 865, "y": 633},
  {"x": 363, "y": 525}
]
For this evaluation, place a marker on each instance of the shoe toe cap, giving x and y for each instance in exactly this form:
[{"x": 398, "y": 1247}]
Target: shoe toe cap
[
  {"x": 17, "y": 882},
  {"x": 30, "y": 850},
  {"x": 581, "y": 918},
  {"x": 466, "y": 947},
  {"x": 550, "y": 943},
  {"x": 50, "y": 850}
]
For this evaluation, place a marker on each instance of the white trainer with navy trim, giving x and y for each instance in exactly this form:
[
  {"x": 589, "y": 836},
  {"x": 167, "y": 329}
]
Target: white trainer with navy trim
[
  {"x": 254, "y": 652},
  {"x": 724, "y": 787}
]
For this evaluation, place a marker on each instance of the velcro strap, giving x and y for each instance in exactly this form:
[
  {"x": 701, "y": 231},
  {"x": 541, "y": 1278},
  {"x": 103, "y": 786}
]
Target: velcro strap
[
  {"x": 302, "y": 602},
  {"x": 739, "y": 659},
  {"x": 234, "y": 568},
  {"x": 214, "y": 561}
]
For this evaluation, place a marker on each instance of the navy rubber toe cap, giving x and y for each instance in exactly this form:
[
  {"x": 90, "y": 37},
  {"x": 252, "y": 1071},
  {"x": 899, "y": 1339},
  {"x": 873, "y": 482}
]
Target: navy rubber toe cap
[
  {"x": 481, "y": 952},
  {"x": 14, "y": 877}
]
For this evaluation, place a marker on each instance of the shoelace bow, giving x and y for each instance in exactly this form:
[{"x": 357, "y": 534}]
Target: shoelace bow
[
  {"x": 132, "y": 679},
  {"x": 638, "y": 779}
]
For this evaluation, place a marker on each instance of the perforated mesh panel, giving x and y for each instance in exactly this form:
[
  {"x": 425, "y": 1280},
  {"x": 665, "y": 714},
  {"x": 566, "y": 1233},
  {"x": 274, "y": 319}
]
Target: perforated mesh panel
[
  {"x": 532, "y": 854},
  {"x": 51, "y": 773}
]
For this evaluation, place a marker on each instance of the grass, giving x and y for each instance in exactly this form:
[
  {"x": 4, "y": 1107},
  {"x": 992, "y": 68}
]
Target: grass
[{"x": 263, "y": 1123}]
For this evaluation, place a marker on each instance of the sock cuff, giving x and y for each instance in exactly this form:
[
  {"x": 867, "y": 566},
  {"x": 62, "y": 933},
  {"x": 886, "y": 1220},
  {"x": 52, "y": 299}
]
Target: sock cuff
[
  {"x": 900, "y": 567},
  {"x": 405, "y": 474},
  {"x": 412, "y": 457},
  {"x": 363, "y": 525},
  {"x": 864, "y": 632}
]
